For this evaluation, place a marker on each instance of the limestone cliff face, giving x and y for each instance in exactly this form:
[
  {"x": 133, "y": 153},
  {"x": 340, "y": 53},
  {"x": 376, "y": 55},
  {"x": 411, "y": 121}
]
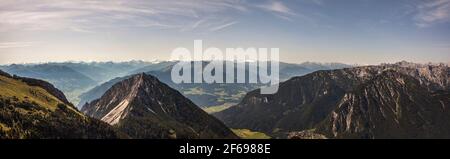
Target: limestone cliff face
[
  {"x": 352, "y": 103},
  {"x": 392, "y": 105}
]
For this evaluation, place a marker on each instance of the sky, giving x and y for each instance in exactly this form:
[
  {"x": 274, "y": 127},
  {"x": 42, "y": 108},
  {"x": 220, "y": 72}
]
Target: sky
[{"x": 347, "y": 31}]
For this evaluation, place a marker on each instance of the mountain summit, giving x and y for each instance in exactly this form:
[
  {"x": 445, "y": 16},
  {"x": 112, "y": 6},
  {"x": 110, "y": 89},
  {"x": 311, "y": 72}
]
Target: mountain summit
[{"x": 144, "y": 107}]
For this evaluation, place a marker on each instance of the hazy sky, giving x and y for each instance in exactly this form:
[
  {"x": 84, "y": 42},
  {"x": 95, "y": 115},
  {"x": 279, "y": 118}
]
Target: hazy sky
[{"x": 349, "y": 31}]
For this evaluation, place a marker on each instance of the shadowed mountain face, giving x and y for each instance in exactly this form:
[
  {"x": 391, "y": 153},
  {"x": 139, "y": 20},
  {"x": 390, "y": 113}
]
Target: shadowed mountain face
[
  {"x": 31, "y": 108},
  {"x": 391, "y": 105},
  {"x": 143, "y": 107},
  {"x": 387, "y": 101}
]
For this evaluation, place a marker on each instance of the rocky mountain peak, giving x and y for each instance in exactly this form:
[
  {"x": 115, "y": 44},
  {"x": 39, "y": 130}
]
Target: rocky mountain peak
[
  {"x": 120, "y": 96},
  {"x": 144, "y": 107}
]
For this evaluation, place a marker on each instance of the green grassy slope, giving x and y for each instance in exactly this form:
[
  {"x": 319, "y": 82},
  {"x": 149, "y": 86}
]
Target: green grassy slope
[{"x": 32, "y": 112}]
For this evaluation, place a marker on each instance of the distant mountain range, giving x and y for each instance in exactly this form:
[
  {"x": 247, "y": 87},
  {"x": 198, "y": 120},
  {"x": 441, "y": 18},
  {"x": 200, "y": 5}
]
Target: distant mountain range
[
  {"x": 143, "y": 107},
  {"x": 402, "y": 100},
  {"x": 64, "y": 77},
  {"x": 209, "y": 95}
]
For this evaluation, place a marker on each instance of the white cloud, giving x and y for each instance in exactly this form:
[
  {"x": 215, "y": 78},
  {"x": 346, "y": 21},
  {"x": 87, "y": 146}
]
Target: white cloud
[
  {"x": 6, "y": 45},
  {"x": 279, "y": 10},
  {"x": 432, "y": 12},
  {"x": 277, "y": 7},
  {"x": 88, "y": 15},
  {"x": 223, "y": 26}
]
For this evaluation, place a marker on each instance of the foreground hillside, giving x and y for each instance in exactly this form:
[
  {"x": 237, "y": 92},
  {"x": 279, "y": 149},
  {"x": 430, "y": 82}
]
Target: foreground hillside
[{"x": 31, "y": 108}]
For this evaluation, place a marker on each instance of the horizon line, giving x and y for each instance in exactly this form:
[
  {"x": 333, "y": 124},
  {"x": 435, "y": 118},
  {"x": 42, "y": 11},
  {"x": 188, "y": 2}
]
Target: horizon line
[{"x": 159, "y": 61}]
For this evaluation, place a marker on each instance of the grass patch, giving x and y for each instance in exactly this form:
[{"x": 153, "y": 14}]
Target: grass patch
[
  {"x": 248, "y": 134},
  {"x": 3, "y": 127},
  {"x": 195, "y": 91},
  {"x": 220, "y": 93},
  {"x": 218, "y": 108},
  {"x": 20, "y": 91}
]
